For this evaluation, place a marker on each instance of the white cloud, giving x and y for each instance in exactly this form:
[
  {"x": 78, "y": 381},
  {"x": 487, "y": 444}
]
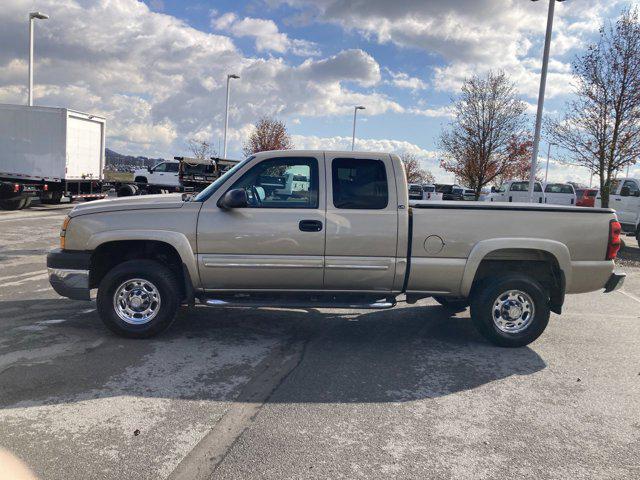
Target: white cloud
[
  {"x": 159, "y": 81},
  {"x": 428, "y": 158},
  {"x": 470, "y": 36},
  {"x": 266, "y": 34},
  {"x": 403, "y": 80}
]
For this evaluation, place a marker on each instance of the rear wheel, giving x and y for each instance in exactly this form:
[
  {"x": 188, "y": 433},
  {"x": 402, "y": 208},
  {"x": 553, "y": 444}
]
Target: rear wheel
[
  {"x": 16, "y": 203},
  {"x": 53, "y": 199},
  {"x": 138, "y": 298},
  {"x": 511, "y": 311}
]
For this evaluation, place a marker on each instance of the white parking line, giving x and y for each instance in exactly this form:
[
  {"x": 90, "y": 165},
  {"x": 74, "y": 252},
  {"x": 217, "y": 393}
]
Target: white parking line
[{"x": 632, "y": 297}]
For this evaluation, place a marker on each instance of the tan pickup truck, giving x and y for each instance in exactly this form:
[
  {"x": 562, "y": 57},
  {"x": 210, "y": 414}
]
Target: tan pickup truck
[{"x": 331, "y": 229}]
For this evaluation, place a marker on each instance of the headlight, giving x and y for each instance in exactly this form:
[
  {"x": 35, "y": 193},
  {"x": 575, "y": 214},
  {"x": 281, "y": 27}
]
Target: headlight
[{"x": 63, "y": 231}]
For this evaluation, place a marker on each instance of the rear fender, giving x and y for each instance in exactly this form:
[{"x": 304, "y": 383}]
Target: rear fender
[{"x": 558, "y": 250}]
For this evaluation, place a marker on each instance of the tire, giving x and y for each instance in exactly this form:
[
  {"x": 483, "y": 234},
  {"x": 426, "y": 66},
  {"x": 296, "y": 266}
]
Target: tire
[
  {"x": 152, "y": 275},
  {"x": 510, "y": 334},
  {"x": 16, "y": 203},
  {"x": 127, "y": 190},
  {"x": 55, "y": 199},
  {"x": 455, "y": 305}
]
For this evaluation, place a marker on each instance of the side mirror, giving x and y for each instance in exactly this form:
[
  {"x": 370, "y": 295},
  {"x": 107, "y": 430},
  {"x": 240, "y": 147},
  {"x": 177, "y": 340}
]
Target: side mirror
[
  {"x": 236, "y": 198},
  {"x": 625, "y": 192},
  {"x": 493, "y": 190},
  {"x": 149, "y": 169}
]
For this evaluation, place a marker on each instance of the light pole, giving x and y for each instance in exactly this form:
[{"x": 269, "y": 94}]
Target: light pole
[
  {"x": 543, "y": 85},
  {"x": 355, "y": 112},
  {"x": 546, "y": 170},
  {"x": 226, "y": 115},
  {"x": 32, "y": 16}
]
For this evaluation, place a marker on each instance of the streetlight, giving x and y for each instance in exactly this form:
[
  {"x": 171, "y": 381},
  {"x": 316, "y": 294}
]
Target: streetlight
[
  {"x": 32, "y": 16},
  {"x": 543, "y": 85},
  {"x": 226, "y": 115},
  {"x": 355, "y": 112},
  {"x": 546, "y": 170}
]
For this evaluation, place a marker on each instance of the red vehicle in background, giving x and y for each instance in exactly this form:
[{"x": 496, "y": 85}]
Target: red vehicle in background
[{"x": 586, "y": 197}]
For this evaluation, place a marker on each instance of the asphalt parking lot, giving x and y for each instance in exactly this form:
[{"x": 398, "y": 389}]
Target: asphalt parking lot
[{"x": 412, "y": 392}]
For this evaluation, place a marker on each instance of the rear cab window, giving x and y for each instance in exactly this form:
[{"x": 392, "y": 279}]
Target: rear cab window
[
  {"x": 559, "y": 188},
  {"x": 524, "y": 187},
  {"x": 359, "y": 184}
]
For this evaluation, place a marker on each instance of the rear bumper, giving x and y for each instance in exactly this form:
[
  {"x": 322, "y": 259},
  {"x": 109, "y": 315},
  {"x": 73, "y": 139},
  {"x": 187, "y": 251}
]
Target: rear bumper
[
  {"x": 616, "y": 280},
  {"x": 69, "y": 273}
]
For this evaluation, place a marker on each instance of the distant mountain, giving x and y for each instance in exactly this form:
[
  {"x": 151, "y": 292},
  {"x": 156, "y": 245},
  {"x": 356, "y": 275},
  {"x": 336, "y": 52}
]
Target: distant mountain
[{"x": 115, "y": 158}]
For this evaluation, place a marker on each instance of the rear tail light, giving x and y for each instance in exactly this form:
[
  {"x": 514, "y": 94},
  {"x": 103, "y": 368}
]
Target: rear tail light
[{"x": 614, "y": 239}]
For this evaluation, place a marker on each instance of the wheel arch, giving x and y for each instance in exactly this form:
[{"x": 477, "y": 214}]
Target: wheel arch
[
  {"x": 556, "y": 254},
  {"x": 145, "y": 241}
]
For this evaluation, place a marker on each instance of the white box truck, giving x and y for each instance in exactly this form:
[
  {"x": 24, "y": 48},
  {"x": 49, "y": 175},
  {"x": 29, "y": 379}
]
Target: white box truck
[{"x": 49, "y": 153}]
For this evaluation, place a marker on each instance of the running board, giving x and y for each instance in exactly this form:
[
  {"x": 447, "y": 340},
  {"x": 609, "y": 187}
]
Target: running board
[{"x": 286, "y": 301}]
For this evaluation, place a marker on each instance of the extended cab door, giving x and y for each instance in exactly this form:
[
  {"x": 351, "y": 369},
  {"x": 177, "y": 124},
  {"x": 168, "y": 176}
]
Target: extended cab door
[
  {"x": 362, "y": 223},
  {"x": 277, "y": 241}
]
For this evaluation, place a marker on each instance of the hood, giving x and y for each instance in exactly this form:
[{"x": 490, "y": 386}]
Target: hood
[{"x": 140, "y": 202}]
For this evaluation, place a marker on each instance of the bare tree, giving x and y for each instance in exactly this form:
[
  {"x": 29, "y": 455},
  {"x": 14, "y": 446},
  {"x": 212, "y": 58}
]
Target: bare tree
[
  {"x": 601, "y": 127},
  {"x": 477, "y": 145},
  {"x": 414, "y": 171},
  {"x": 268, "y": 134},
  {"x": 201, "y": 149}
]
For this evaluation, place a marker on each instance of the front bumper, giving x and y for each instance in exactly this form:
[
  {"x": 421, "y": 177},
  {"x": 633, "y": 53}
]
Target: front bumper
[
  {"x": 69, "y": 273},
  {"x": 616, "y": 280}
]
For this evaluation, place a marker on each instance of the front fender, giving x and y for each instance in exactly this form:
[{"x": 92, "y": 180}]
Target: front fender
[
  {"x": 559, "y": 251},
  {"x": 176, "y": 239}
]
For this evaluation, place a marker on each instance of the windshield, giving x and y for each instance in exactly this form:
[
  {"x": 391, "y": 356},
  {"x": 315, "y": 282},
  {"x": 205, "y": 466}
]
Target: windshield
[{"x": 211, "y": 189}]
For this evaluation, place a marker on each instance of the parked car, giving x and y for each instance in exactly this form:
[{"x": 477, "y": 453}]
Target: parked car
[
  {"x": 425, "y": 192},
  {"x": 517, "y": 191},
  {"x": 349, "y": 240},
  {"x": 415, "y": 191},
  {"x": 164, "y": 174},
  {"x": 450, "y": 192},
  {"x": 429, "y": 193},
  {"x": 559, "y": 194},
  {"x": 586, "y": 197},
  {"x": 625, "y": 199}
]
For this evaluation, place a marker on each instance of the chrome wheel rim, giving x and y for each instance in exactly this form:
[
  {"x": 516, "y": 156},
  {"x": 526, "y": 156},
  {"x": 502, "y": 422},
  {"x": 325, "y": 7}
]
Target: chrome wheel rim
[
  {"x": 137, "y": 301},
  {"x": 513, "y": 311}
]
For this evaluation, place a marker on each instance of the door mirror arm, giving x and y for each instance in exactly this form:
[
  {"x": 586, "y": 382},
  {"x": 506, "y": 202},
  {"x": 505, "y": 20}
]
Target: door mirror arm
[{"x": 236, "y": 198}]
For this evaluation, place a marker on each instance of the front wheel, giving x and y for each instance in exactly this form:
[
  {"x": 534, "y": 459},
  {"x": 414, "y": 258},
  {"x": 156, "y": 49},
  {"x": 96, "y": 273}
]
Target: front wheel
[
  {"x": 510, "y": 311},
  {"x": 138, "y": 298}
]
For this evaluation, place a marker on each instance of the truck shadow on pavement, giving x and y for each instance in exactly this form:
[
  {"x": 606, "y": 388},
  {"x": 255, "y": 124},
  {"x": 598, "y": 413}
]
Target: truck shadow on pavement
[{"x": 57, "y": 351}]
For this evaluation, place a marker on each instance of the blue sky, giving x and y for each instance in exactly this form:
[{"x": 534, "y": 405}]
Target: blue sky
[{"x": 157, "y": 69}]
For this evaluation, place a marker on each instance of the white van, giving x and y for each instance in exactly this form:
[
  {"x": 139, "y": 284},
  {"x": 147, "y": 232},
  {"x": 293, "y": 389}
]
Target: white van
[
  {"x": 625, "y": 199},
  {"x": 517, "y": 191},
  {"x": 559, "y": 194}
]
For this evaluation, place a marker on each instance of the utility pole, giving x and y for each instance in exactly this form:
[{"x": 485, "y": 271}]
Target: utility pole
[
  {"x": 353, "y": 138},
  {"x": 32, "y": 17},
  {"x": 543, "y": 85},
  {"x": 226, "y": 115}
]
